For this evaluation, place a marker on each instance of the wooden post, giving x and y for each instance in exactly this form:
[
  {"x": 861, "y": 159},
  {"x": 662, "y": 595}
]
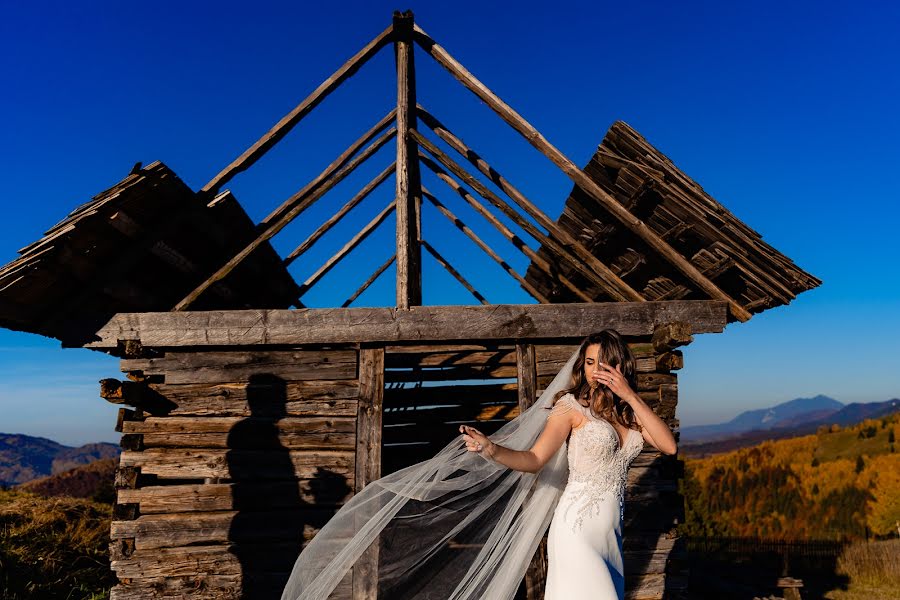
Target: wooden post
[
  {"x": 368, "y": 456},
  {"x": 409, "y": 195},
  {"x": 526, "y": 371}
]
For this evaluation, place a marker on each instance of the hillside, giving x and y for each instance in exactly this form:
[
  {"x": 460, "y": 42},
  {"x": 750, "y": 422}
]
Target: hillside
[
  {"x": 24, "y": 458},
  {"x": 838, "y": 483},
  {"x": 94, "y": 480}
]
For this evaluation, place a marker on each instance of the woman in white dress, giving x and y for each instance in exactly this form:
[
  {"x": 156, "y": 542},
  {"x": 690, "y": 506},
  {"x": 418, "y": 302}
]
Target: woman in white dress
[
  {"x": 606, "y": 424},
  {"x": 464, "y": 524}
]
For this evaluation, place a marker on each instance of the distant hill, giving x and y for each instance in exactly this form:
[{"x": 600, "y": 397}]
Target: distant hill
[
  {"x": 94, "y": 480},
  {"x": 24, "y": 458},
  {"x": 796, "y": 425}
]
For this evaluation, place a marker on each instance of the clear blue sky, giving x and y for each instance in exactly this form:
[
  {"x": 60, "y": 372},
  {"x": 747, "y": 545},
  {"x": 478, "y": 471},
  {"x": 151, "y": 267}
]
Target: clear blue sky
[{"x": 784, "y": 112}]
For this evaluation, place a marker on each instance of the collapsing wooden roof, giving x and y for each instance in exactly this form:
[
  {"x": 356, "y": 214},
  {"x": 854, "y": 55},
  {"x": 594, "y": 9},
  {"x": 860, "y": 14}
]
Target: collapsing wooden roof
[
  {"x": 634, "y": 229},
  {"x": 646, "y": 184},
  {"x": 139, "y": 246}
]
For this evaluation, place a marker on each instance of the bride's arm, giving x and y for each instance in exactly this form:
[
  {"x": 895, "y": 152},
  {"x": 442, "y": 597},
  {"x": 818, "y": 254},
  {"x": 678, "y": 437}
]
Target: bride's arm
[{"x": 531, "y": 461}]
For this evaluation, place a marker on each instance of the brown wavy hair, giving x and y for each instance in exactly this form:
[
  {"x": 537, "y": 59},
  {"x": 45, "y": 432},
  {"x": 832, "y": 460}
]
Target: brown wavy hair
[{"x": 601, "y": 400}]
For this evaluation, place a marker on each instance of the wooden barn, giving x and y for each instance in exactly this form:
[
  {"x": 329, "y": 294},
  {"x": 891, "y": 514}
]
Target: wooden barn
[{"x": 248, "y": 418}]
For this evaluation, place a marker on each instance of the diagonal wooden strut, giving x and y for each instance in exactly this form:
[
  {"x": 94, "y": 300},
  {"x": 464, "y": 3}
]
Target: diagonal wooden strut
[
  {"x": 563, "y": 251},
  {"x": 299, "y": 203},
  {"x": 443, "y": 262},
  {"x": 330, "y": 170},
  {"x": 536, "y": 294},
  {"x": 284, "y": 126},
  {"x": 348, "y": 247},
  {"x": 515, "y": 240},
  {"x": 517, "y": 122},
  {"x": 369, "y": 281},
  {"x": 334, "y": 219}
]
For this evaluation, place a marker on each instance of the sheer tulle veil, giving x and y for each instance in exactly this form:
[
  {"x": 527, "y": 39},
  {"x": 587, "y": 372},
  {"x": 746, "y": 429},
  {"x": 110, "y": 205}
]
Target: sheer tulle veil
[{"x": 457, "y": 526}]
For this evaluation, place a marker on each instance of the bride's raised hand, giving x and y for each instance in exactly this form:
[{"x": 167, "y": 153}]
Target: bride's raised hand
[{"x": 476, "y": 441}]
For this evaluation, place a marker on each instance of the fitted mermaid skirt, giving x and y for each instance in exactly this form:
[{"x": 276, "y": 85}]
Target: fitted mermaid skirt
[{"x": 585, "y": 550}]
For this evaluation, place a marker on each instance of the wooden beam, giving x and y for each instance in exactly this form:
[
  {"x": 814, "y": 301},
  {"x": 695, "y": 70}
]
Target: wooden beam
[
  {"x": 303, "y": 203},
  {"x": 409, "y": 194},
  {"x": 446, "y": 264},
  {"x": 334, "y": 219},
  {"x": 348, "y": 247},
  {"x": 284, "y": 126},
  {"x": 329, "y": 171},
  {"x": 536, "y": 294},
  {"x": 515, "y": 240},
  {"x": 497, "y": 322},
  {"x": 369, "y": 281},
  {"x": 526, "y": 367},
  {"x": 585, "y": 263},
  {"x": 579, "y": 177}
]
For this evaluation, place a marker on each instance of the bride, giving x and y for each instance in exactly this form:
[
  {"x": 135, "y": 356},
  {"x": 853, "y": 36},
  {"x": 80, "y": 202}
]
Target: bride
[{"x": 466, "y": 523}]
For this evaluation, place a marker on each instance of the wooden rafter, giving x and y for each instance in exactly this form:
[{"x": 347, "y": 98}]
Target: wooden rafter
[
  {"x": 335, "y": 218},
  {"x": 369, "y": 281},
  {"x": 579, "y": 177},
  {"x": 559, "y": 247},
  {"x": 348, "y": 247},
  {"x": 446, "y": 264},
  {"x": 418, "y": 324},
  {"x": 284, "y": 126},
  {"x": 484, "y": 247},
  {"x": 302, "y": 203},
  {"x": 515, "y": 240}
]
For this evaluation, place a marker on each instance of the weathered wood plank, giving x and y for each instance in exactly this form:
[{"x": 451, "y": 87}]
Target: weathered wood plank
[
  {"x": 211, "y": 587},
  {"x": 497, "y": 322},
  {"x": 369, "y": 416},
  {"x": 241, "y": 464},
  {"x": 333, "y": 398},
  {"x": 259, "y": 495},
  {"x": 234, "y": 366}
]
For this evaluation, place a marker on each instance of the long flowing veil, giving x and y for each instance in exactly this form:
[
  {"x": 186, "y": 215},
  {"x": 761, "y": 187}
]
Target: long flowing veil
[{"x": 456, "y": 526}]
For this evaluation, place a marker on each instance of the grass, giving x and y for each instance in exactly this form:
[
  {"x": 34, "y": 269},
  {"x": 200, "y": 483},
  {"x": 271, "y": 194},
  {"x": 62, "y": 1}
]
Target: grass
[
  {"x": 873, "y": 569},
  {"x": 53, "y": 548}
]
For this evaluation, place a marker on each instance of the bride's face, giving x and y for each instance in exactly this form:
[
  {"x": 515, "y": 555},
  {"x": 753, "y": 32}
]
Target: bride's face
[{"x": 592, "y": 364}]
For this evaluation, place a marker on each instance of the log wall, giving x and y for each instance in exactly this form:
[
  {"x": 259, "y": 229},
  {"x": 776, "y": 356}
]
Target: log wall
[{"x": 232, "y": 460}]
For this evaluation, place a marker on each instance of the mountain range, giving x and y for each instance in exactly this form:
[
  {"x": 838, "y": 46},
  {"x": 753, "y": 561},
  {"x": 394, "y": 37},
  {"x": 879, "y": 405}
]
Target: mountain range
[
  {"x": 800, "y": 416},
  {"x": 24, "y": 458}
]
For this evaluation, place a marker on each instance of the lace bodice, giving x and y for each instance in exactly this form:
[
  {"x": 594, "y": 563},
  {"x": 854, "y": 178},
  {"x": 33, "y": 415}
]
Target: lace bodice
[{"x": 597, "y": 465}]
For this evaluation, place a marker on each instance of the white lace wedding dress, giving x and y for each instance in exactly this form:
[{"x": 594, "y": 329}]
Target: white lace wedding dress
[{"x": 584, "y": 546}]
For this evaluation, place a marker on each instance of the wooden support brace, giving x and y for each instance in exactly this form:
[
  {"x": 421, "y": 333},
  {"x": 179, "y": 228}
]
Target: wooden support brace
[
  {"x": 444, "y": 263},
  {"x": 369, "y": 281},
  {"x": 536, "y": 294}
]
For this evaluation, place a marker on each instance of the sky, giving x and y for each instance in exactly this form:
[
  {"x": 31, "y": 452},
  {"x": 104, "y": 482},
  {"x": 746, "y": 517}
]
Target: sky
[{"x": 786, "y": 113}]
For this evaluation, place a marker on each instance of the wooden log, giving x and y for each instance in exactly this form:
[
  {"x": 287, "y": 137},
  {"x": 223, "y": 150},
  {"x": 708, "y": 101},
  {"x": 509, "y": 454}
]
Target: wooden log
[
  {"x": 484, "y": 247},
  {"x": 334, "y": 219},
  {"x": 450, "y": 269},
  {"x": 281, "y": 129},
  {"x": 182, "y": 463},
  {"x": 551, "y": 271},
  {"x": 670, "y": 361},
  {"x": 234, "y": 366},
  {"x": 298, "y": 203},
  {"x": 408, "y": 182},
  {"x": 526, "y": 375},
  {"x": 356, "y": 240},
  {"x": 497, "y": 322},
  {"x": 605, "y": 278},
  {"x": 259, "y": 495},
  {"x": 218, "y": 559},
  {"x": 211, "y": 587},
  {"x": 671, "y": 335},
  {"x": 534, "y": 137},
  {"x": 562, "y": 250},
  {"x": 334, "y": 398},
  {"x": 369, "y": 281}
]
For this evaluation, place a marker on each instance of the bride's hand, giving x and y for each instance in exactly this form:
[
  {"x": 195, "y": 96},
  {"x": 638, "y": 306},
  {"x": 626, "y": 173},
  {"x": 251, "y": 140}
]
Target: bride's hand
[{"x": 477, "y": 441}]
